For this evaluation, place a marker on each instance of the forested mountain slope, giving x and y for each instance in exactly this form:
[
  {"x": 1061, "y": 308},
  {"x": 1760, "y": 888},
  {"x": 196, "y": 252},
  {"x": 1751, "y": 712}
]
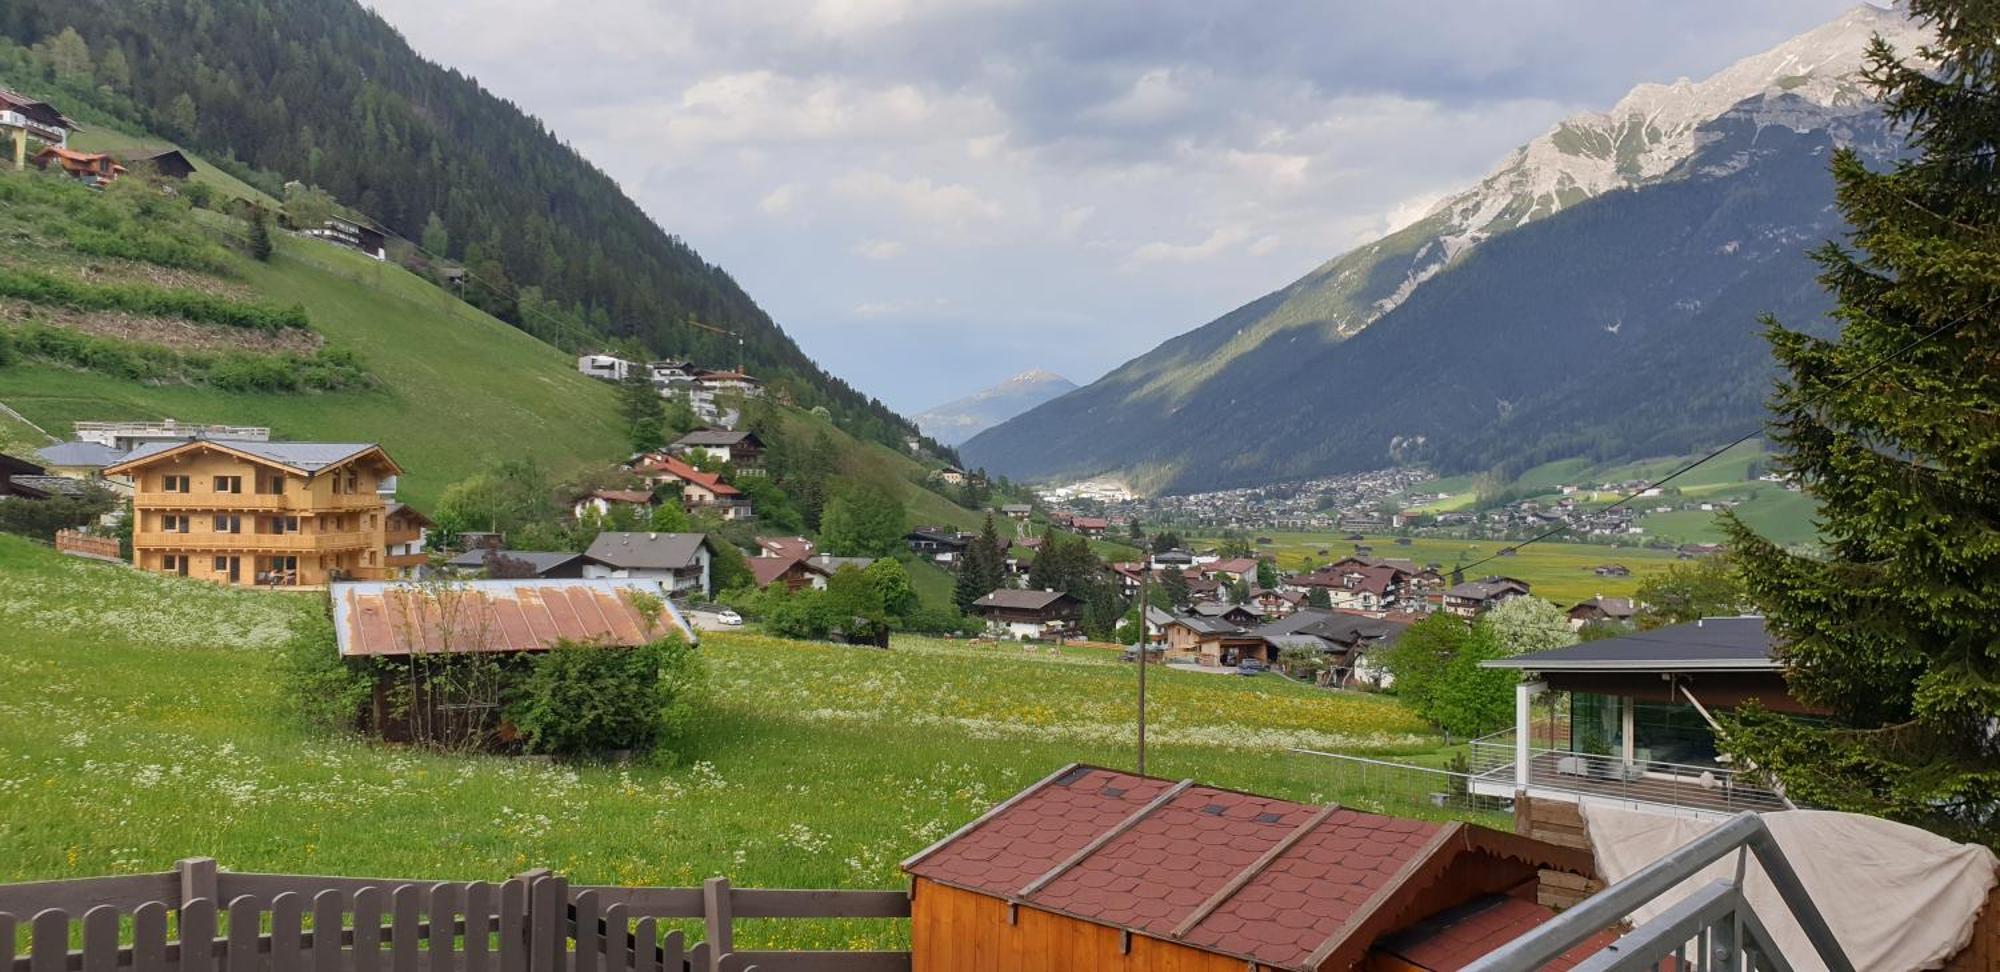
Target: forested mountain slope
[
  {"x": 1624, "y": 326},
  {"x": 326, "y": 92}
]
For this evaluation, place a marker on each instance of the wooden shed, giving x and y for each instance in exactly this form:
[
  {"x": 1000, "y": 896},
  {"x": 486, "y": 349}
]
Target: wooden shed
[{"x": 1093, "y": 868}]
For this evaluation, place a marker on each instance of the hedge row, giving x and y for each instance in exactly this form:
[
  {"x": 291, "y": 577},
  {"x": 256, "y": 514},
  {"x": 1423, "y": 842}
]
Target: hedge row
[
  {"x": 40, "y": 288},
  {"x": 160, "y": 249},
  {"x": 230, "y": 370}
]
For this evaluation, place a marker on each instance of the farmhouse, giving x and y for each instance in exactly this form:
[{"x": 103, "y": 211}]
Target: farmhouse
[
  {"x": 259, "y": 513},
  {"x": 784, "y": 547},
  {"x": 941, "y": 544},
  {"x": 345, "y": 232},
  {"x": 681, "y": 560},
  {"x": 603, "y": 501},
  {"x": 1027, "y": 614},
  {"x": 797, "y": 573},
  {"x": 1601, "y": 608},
  {"x": 1097, "y": 869},
  {"x": 168, "y": 163},
  {"x": 558, "y": 564},
  {"x": 741, "y": 450},
  {"x": 1213, "y": 642},
  {"x": 700, "y": 491},
  {"x": 1017, "y": 511},
  {"x": 10, "y": 468},
  {"x": 604, "y": 367},
  {"x": 405, "y": 534},
  {"x": 23, "y": 118},
  {"x": 1474, "y": 598},
  {"x": 90, "y": 168}
]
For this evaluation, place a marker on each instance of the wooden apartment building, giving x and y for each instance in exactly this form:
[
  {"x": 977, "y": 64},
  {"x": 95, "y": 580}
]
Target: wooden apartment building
[{"x": 259, "y": 513}]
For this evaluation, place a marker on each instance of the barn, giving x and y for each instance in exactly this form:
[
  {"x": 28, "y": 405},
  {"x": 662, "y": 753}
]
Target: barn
[{"x": 1093, "y": 868}]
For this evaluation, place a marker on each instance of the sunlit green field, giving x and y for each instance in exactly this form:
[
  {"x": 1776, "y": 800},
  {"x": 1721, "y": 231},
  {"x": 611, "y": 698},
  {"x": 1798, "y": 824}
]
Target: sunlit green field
[
  {"x": 1559, "y": 572},
  {"x": 142, "y": 720}
]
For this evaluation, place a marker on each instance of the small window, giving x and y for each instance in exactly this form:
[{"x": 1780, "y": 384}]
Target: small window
[
  {"x": 173, "y": 524},
  {"x": 173, "y": 484},
  {"x": 271, "y": 484},
  {"x": 228, "y": 524},
  {"x": 229, "y": 484},
  {"x": 222, "y": 565}
]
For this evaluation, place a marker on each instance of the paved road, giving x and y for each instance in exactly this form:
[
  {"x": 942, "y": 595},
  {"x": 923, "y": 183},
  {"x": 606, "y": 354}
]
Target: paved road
[{"x": 706, "y": 620}]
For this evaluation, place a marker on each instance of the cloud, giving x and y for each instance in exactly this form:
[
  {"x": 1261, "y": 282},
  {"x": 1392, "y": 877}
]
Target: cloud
[
  {"x": 1082, "y": 180},
  {"x": 780, "y": 201},
  {"x": 940, "y": 205},
  {"x": 1217, "y": 241},
  {"x": 878, "y": 249}
]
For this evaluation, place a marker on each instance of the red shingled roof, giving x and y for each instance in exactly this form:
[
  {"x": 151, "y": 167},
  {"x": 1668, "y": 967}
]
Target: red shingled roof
[
  {"x": 1456, "y": 938},
  {"x": 375, "y": 618},
  {"x": 1254, "y": 877}
]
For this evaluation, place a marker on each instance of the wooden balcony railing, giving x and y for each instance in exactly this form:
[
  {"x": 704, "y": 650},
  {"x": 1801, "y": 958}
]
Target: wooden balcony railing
[{"x": 292, "y": 502}]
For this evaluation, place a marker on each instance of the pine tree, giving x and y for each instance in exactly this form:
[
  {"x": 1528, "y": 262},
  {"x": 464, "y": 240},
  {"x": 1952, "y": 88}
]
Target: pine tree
[
  {"x": 1892, "y": 427},
  {"x": 260, "y": 235},
  {"x": 642, "y": 410},
  {"x": 983, "y": 568}
]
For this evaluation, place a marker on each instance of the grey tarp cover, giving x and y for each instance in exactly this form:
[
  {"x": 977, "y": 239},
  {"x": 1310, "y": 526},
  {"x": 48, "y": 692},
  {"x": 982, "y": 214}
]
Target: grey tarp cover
[{"x": 1897, "y": 897}]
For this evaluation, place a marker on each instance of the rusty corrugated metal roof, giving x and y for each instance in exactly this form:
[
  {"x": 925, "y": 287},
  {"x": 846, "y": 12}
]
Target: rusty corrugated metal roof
[{"x": 394, "y": 618}]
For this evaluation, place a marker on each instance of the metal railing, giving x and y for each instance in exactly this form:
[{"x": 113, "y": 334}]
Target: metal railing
[
  {"x": 1712, "y": 929},
  {"x": 1706, "y": 789},
  {"x": 1401, "y": 789}
]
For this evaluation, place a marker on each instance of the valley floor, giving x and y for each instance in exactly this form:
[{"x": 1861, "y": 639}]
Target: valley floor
[{"x": 141, "y": 720}]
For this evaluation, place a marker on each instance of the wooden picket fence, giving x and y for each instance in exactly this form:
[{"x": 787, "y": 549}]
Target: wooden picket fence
[{"x": 197, "y": 918}]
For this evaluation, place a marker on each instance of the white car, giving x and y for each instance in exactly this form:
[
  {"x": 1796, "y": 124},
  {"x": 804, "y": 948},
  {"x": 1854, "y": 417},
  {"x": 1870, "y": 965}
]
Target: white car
[{"x": 729, "y": 617}]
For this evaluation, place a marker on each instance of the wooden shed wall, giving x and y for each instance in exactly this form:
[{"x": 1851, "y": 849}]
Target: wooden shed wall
[{"x": 952, "y": 930}]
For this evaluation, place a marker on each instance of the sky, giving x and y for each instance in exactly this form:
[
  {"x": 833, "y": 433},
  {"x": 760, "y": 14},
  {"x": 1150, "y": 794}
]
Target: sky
[{"x": 933, "y": 195}]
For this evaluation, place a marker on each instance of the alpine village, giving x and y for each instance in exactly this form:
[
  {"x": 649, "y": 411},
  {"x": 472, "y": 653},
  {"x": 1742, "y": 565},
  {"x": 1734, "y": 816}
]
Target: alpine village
[{"x": 415, "y": 557}]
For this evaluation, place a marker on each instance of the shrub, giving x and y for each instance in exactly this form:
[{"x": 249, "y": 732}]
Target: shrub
[
  {"x": 327, "y": 692},
  {"x": 42, "y": 518},
  {"x": 41, "y": 288},
  {"x": 324, "y": 370},
  {"x": 583, "y": 699}
]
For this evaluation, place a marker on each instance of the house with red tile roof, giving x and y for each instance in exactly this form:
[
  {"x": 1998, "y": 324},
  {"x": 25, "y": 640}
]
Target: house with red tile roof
[
  {"x": 1093, "y": 868},
  {"x": 700, "y": 491}
]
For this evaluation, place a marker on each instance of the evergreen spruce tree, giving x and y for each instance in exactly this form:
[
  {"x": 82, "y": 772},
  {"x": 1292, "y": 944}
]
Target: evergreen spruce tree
[
  {"x": 642, "y": 410},
  {"x": 260, "y": 235},
  {"x": 1895, "y": 428},
  {"x": 982, "y": 569}
]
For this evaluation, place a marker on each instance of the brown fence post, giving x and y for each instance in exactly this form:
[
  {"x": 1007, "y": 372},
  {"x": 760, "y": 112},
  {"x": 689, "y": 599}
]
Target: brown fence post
[
  {"x": 719, "y": 919},
  {"x": 197, "y": 880}
]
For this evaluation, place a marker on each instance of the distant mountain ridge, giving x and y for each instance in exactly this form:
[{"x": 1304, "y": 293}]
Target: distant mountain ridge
[
  {"x": 1286, "y": 346},
  {"x": 956, "y": 421}
]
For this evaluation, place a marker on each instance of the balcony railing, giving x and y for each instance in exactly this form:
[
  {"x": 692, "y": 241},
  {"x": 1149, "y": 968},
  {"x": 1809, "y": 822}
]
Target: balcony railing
[
  {"x": 1705, "y": 789},
  {"x": 272, "y": 502},
  {"x": 252, "y": 542}
]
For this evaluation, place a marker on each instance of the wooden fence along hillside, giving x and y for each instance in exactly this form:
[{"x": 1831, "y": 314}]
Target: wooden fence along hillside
[{"x": 197, "y": 918}]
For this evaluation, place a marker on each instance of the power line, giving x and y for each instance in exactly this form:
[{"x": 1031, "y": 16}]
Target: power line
[{"x": 1739, "y": 440}]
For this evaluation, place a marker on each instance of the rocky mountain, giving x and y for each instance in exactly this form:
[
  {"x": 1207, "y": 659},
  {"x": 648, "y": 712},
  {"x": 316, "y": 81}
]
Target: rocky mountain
[
  {"x": 954, "y": 422},
  {"x": 1284, "y": 361}
]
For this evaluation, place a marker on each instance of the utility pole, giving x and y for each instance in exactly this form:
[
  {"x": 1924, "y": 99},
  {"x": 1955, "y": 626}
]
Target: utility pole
[{"x": 1145, "y": 648}]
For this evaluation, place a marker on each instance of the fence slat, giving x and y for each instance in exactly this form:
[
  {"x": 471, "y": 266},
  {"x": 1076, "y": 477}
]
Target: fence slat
[
  {"x": 513, "y": 926},
  {"x": 673, "y": 952},
  {"x": 478, "y": 919},
  {"x": 246, "y": 914},
  {"x": 408, "y": 904},
  {"x": 197, "y": 938},
  {"x": 589, "y": 939},
  {"x": 6, "y": 941},
  {"x": 617, "y": 939},
  {"x": 646, "y": 945},
  {"x": 328, "y": 909},
  {"x": 444, "y": 905},
  {"x": 367, "y": 930},
  {"x": 100, "y": 939},
  {"x": 48, "y": 942},
  {"x": 149, "y": 937},
  {"x": 286, "y": 911},
  {"x": 698, "y": 958}
]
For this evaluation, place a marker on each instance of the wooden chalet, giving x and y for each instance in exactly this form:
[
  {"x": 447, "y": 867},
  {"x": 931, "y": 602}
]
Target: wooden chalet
[
  {"x": 1098, "y": 869},
  {"x": 92, "y": 168},
  {"x": 169, "y": 163},
  {"x": 1028, "y": 614}
]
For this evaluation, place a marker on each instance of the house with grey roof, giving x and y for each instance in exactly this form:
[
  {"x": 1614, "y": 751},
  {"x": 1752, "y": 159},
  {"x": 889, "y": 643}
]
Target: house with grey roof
[
  {"x": 741, "y": 449},
  {"x": 518, "y": 563},
  {"x": 1028, "y": 614},
  {"x": 1640, "y": 727},
  {"x": 1474, "y": 598},
  {"x": 683, "y": 559}
]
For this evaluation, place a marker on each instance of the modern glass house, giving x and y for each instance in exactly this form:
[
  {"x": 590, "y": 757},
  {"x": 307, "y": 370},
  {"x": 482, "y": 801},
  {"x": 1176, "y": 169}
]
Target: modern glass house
[{"x": 1633, "y": 722}]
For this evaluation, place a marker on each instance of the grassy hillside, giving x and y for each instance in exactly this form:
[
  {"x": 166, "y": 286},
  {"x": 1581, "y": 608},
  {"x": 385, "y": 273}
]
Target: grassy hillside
[
  {"x": 824, "y": 775},
  {"x": 104, "y": 138},
  {"x": 457, "y": 389}
]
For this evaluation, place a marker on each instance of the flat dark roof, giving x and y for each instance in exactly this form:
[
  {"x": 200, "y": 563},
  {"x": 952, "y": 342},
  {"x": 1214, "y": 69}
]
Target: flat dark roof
[{"x": 1711, "y": 644}]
